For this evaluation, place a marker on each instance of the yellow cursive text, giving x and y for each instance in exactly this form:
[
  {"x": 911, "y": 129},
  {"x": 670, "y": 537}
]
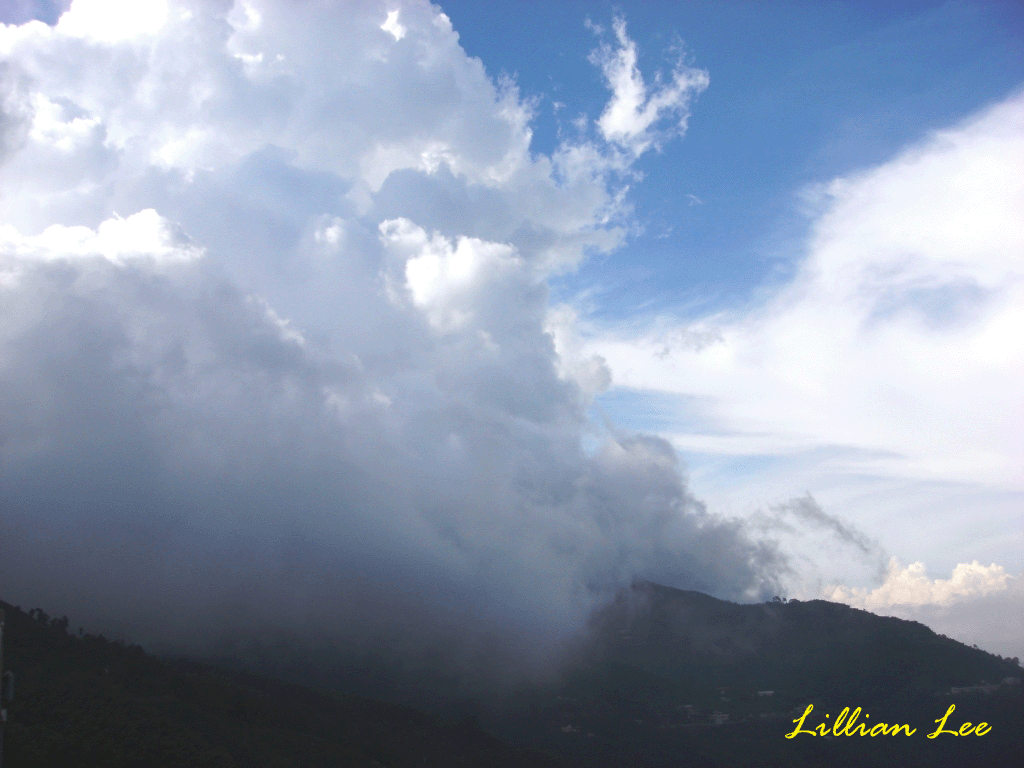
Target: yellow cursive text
[{"x": 965, "y": 730}]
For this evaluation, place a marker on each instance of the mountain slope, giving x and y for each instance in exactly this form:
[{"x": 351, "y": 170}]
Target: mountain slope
[
  {"x": 86, "y": 701},
  {"x": 671, "y": 678},
  {"x": 664, "y": 678}
]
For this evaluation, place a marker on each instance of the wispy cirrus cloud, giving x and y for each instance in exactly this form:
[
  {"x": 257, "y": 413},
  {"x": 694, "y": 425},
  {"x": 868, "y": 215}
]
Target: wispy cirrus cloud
[
  {"x": 634, "y": 116},
  {"x": 882, "y": 375},
  {"x": 896, "y": 337}
]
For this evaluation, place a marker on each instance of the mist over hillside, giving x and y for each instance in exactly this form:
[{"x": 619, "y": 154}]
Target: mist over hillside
[
  {"x": 263, "y": 371},
  {"x": 343, "y": 367},
  {"x": 83, "y": 700},
  {"x": 663, "y": 678}
]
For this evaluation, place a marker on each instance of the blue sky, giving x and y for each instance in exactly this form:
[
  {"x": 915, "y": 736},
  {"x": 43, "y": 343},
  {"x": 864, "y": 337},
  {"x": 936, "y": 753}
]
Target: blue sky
[
  {"x": 305, "y": 297},
  {"x": 800, "y": 92}
]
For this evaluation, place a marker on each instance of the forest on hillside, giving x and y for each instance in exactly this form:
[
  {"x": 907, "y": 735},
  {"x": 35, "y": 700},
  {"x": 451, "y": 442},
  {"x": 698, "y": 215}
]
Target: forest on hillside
[{"x": 666, "y": 678}]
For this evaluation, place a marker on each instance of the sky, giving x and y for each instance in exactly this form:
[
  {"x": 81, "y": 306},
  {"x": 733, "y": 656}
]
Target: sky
[{"x": 441, "y": 323}]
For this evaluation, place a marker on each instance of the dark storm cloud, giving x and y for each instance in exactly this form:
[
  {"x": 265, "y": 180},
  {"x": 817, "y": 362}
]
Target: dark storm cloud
[{"x": 281, "y": 391}]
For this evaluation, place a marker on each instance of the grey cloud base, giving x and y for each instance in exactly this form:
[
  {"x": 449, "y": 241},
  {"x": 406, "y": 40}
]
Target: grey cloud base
[
  {"x": 259, "y": 374},
  {"x": 174, "y": 461}
]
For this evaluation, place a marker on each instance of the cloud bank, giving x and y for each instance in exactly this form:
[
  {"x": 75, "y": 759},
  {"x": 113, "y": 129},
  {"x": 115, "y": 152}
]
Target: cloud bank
[
  {"x": 895, "y": 343},
  {"x": 978, "y": 604},
  {"x": 883, "y": 375},
  {"x": 275, "y": 343},
  {"x": 910, "y": 586}
]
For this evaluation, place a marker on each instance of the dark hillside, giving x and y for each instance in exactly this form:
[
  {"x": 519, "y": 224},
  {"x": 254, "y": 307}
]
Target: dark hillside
[
  {"x": 86, "y": 701},
  {"x": 810, "y": 649},
  {"x": 680, "y": 678},
  {"x": 667, "y": 678}
]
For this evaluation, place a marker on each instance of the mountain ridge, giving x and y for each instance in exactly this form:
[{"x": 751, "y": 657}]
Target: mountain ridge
[
  {"x": 664, "y": 677},
  {"x": 671, "y": 672}
]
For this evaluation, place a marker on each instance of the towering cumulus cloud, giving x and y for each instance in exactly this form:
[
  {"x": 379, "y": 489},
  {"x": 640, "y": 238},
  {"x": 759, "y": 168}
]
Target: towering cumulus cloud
[{"x": 274, "y": 345}]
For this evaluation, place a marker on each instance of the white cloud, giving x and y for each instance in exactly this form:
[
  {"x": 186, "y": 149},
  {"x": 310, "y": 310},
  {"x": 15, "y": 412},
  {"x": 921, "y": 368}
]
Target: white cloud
[
  {"x": 109, "y": 21},
  {"x": 978, "y": 604},
  {"x": 392, "y": 26},
  {"x": 911, "y": 586},
  {"x": 883, "y": 377},
  {"x": 591, "y": 373},
  {"x": 447, "y": 282},
  {"x": 145, "y": 234},
  {"x": 350, "y": 411},
  {"x": 630, "y": 118},
  {"x": 896, "y": 340},
  {"x": 202, "y": 99}
]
